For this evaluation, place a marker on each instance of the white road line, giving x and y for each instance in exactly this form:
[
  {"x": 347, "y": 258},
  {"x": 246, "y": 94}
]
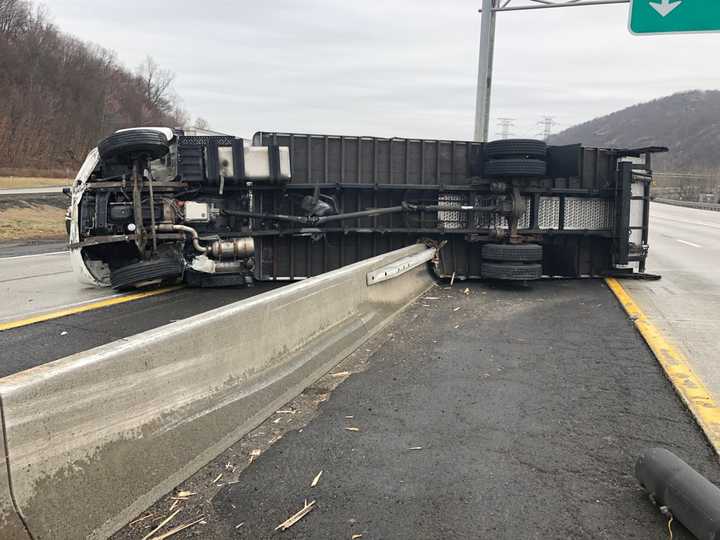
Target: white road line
[
  {"x": 686, "y": 222},
  {"x": 34, "y": 255},
  {"x": 688, "y": 243}
]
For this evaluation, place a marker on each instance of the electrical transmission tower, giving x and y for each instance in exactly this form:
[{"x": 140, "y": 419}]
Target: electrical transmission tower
[
  {"x": 504, "y": 125},
  {"x": 546, "y": 124}
]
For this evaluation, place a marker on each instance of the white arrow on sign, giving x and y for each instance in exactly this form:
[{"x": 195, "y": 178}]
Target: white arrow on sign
[{"x": 664, "y": 6}]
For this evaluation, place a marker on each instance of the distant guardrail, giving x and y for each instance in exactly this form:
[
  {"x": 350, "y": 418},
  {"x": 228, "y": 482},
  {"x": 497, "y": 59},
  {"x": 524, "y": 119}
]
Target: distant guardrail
[{"x": 689, "y": 204}]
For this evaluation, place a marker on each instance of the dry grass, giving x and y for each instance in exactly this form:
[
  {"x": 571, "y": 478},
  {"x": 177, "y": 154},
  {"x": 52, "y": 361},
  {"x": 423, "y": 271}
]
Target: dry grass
[
  {"x": 34, "y": 221},
  {"x": 19, "y": 182}
]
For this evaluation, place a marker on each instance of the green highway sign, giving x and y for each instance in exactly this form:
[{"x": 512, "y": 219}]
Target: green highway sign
[{"x": 674, "y": 16}]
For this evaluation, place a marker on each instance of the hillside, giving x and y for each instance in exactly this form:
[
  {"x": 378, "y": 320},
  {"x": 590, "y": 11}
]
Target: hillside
[
  {"x": 60, "y": 95},
  {"x": 687, "y": 122}
]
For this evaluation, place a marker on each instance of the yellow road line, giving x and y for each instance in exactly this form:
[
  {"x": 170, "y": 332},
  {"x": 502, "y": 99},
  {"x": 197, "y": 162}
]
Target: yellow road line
[
  {"x": 84, "y": 307},
  {"x": 687, "y": 384}
]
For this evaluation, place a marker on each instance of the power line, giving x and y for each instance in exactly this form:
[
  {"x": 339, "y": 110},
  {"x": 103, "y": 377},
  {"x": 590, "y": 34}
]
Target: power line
[
  {"x": 504, "y": 125},
  {"x": 546, "y": 123}
]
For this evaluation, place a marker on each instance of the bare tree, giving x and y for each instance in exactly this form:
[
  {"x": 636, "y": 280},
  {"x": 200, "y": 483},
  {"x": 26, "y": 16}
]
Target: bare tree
[
  {"x": 59, "y": 96},
  {"x": 201, "y": 123},
  {"x": 157, "y": 85},
  {"x": 14, "y": 16}
]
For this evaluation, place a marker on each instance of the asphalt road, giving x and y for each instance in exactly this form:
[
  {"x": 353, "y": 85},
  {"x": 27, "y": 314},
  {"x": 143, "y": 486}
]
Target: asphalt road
[
  {"x": 36, "y": 247},
  {"x": 38, "y": 283},
  {"x": 503, "y": 413},
  {"x": 685, "y": 304},
  {"x": 37, "y": 344}
]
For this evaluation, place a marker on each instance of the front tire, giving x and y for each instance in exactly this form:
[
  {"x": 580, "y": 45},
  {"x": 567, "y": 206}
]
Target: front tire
[
  {"x": 127, "y": 145},
  {"x": 145, "y": 273}
]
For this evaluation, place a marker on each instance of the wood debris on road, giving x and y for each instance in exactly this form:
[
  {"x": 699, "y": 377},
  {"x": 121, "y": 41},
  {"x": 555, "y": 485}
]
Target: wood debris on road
[
  {"x": 162, "y": 524},
  {"x": 316, "y": 479},
  {"x": 218, "y": 477},
  {"x": 292, "y": 520},
  {"x": 177, "y": 529},
  {"x": 143, "y": 518},
  {"x": 183, "y": 495}
]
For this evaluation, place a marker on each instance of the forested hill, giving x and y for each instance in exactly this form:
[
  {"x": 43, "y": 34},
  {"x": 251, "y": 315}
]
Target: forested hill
[
  {"x": 688, "y": 123},
  {"x": 59, "y": 96}
]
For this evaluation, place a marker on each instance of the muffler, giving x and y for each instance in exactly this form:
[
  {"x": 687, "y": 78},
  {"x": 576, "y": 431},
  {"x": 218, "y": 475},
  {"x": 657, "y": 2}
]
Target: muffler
[{"x": 680, "y": 492}]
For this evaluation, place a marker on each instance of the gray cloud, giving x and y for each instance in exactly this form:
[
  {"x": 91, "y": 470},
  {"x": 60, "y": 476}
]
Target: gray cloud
[{"x": 403, "y": 68}]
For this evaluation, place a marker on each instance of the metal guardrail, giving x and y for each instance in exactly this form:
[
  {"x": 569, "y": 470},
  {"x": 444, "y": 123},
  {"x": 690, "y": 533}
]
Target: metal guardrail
[
  {"x": 689, "y": 204},
  {"x": 94, "y": 438}
]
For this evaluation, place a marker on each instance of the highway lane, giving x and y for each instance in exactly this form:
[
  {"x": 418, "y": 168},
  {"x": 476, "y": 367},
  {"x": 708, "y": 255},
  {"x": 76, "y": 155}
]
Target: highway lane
[
  {"x": 685, "y": 304},
  {"x": 37, "y": 344},
  {"x": 36, "y": 247},
  {"x": 38, "y": 283}
]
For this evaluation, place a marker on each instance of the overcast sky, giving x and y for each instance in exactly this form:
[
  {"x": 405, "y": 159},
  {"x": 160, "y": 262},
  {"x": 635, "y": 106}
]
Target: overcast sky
[{"x": 391, "y": 67}]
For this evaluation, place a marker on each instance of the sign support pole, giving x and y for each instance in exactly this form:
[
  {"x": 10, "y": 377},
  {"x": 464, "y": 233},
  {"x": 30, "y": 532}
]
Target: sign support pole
[
  {"x": 487, "y": 47},
  {"x": 485, "y": 61}
]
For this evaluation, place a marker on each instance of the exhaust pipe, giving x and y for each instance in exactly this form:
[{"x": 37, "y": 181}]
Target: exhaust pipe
[{"x": 678, "y": 489}]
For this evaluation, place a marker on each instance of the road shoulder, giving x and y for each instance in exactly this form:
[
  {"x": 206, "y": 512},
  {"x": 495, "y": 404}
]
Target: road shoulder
[{"x": 497, "y": 413}]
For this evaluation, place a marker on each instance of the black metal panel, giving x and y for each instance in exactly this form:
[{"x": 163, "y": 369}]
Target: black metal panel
[
  {"x": 622, "y": 221},
  {"x": 564, "y": 161},
  {"x": 212, "y": 167},
  {"x": 238, "y": 153},
  {"x": 332, "y": 159},
  {"x": 364, "y": 172},
  {"x": 294, "y": 257},
  {"x": 191, "y": 163}
]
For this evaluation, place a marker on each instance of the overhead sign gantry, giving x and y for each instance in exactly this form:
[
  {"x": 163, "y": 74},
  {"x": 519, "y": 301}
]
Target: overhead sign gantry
[{"x": 646, "y": 17}]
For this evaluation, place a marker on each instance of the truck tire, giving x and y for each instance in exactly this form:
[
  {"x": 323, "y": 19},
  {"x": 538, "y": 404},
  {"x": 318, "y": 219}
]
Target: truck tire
[
  {"x": 510, "y": 271},
  {"x": 146, "y": 272},
  {"x": 501, "y": 168},
  {"x": 523, "y": 148},
  {"x": 146, "y": 142},
  {"x": 512, "y": 253}
]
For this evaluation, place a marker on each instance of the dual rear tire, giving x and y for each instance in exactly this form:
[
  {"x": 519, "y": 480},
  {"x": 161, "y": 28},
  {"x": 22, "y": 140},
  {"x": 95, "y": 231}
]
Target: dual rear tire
[
  {"x": 513, "y": 158},
  {"x": 509, "y": 262}
]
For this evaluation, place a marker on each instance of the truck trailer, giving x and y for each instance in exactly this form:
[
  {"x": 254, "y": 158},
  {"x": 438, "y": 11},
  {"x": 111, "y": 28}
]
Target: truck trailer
[{"x": 154, "y": 205}]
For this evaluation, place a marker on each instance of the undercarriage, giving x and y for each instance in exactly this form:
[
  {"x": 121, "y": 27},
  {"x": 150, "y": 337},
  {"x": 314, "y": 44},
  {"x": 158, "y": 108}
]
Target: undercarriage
[{"x": 153, "y": 206}]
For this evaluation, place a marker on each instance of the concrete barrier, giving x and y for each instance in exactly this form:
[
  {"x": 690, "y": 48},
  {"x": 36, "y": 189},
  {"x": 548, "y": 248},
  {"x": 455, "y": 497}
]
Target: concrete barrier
[
  {"x": 689, "y": 204},
  {"x": 96, "y": 437},
  {"x": 11, "y": 526}
]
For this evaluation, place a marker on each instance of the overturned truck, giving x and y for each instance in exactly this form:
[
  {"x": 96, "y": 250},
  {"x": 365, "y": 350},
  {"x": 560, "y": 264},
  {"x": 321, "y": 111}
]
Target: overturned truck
[{"x": 156, "y": 204}]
